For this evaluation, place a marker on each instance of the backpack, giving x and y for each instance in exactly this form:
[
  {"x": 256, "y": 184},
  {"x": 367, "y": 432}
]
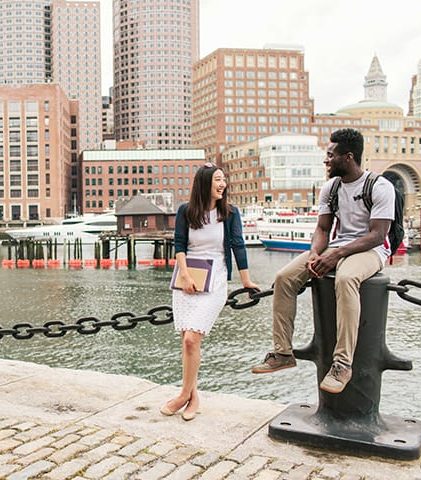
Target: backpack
[{"x": 396, "y": 232}]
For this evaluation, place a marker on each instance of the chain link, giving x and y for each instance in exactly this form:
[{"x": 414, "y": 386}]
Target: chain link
[{"x": 160, "y": 315}]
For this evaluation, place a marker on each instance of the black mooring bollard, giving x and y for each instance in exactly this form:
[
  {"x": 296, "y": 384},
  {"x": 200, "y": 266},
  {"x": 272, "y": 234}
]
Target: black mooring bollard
[{"x": 351, "y": 420}]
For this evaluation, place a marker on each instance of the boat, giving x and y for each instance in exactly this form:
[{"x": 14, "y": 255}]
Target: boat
[
  {"x": 288, "y": 231},
  {"x": 252, "y": 217},
  {"x": 251, "y": 233},
  {"x": 87, "y": 228}
]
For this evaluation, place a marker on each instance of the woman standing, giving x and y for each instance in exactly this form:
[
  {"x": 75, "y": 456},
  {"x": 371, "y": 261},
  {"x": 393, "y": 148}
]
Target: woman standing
[{"x": 207, "y": 227}]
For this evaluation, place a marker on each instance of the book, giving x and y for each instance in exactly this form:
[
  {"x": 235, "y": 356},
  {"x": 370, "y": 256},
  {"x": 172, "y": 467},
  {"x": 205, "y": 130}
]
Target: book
[{"x": 200, "y": 269}]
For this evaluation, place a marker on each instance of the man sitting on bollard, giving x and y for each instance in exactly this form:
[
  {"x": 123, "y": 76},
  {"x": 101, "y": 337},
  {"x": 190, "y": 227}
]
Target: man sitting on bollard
[{"x": 358, "y": 248}]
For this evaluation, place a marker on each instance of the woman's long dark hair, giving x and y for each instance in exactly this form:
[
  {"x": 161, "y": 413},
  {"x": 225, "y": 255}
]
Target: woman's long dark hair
[{"x": 197, "y": 212}]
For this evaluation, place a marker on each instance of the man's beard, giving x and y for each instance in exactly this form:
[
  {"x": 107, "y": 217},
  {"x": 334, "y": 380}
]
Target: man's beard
[{"x": 336, "y": 172}]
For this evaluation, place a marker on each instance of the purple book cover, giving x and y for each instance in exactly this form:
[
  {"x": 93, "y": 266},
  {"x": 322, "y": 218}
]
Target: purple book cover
[{"x": 199, "y": 264}]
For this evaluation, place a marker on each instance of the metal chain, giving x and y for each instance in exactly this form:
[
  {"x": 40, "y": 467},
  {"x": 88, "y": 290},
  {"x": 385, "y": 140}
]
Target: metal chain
[{"x": 160, "y": 315}]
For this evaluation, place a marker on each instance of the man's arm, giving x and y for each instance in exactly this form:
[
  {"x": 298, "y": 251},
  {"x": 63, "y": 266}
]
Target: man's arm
[
  {"x": 378, "y": 229},
  {"x": 320, "y": 239}
]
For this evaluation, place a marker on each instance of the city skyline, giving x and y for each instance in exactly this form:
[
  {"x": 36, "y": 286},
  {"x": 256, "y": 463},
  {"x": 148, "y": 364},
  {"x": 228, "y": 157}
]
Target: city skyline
[{"x": 352, "y": 35}]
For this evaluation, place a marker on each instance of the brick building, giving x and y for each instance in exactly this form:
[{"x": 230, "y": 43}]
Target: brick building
[
  {"x": 240, "y": 95},
  {"x": 38, "y": 142},
  {"x": 110, "y": 175}
]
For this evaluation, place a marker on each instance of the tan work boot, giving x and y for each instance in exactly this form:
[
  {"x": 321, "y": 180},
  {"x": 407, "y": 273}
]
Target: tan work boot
[{"x": 336, "y": 378}]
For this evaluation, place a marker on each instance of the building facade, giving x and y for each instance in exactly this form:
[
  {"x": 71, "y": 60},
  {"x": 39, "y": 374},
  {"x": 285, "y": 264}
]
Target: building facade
[
  {"x": 107, "y": 118},
  {"x": 76, "y": 59},
  {"x": 416, "y": 93},
  {"x": 111, "y": 175},
  {"x": 36, "y": 123},
  {"x": 392, "y": 141},
  {"x": 25, "y": 37},
  {"x": 155, "y": 45},
  {"x": 58, "y": 41},
  {"x": 240, "y": 95},
  {"x": 286, "y": 170}
]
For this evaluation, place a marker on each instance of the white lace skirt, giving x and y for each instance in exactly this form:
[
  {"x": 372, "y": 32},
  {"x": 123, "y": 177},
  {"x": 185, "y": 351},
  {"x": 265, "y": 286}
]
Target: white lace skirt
[{"x": 198, "y": 312}]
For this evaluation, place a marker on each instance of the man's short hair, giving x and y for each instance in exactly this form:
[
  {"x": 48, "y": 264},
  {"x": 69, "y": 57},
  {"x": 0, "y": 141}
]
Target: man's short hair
[{"x": 349, "y": 140}]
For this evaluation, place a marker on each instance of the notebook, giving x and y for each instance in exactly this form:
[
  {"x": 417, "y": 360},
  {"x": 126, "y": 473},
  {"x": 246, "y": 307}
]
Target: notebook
[{"x": 200, "y": 270}]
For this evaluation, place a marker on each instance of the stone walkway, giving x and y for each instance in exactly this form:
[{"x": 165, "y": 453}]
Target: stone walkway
[{"x": 58, "y": 424}]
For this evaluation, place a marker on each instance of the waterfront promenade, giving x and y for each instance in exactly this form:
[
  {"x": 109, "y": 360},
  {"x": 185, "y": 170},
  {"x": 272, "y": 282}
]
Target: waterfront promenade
[{"x": 59, "y": 424}]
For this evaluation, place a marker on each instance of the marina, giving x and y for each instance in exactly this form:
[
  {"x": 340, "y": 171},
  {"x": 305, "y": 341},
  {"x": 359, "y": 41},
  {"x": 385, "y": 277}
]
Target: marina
[
  {"x": 86, "y": 228},
  {"x": 239, "y": 340}
]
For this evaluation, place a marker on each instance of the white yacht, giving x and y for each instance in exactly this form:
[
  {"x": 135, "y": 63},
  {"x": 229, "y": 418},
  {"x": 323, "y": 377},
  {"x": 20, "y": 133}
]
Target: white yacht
[{"x": 86, "y": 228}]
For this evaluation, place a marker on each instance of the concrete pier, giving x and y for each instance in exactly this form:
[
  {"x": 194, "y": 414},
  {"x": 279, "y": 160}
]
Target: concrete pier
[{"x": 58, "y": 424}]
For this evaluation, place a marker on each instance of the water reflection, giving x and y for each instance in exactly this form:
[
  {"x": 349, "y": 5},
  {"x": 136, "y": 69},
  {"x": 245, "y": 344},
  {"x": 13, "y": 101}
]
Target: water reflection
[{"x": 239, "y": 339}]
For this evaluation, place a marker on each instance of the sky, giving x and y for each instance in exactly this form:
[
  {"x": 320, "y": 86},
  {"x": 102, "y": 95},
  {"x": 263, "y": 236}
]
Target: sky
[{"x": 340, "y": 38}]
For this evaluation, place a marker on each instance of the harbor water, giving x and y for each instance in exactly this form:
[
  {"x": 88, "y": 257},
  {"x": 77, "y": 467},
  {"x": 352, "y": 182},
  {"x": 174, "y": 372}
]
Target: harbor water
[{"x": 239, "y": 339}]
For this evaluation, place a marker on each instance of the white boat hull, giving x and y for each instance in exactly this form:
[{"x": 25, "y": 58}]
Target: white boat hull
[{"x": 87, "y": 231}]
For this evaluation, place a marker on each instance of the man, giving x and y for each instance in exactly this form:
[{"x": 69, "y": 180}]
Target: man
[{"x": 358, "y": 250}]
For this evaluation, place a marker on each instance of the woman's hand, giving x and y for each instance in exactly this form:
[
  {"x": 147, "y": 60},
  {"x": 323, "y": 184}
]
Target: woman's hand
[
  {"x": 250, "y": 284},
  {"x": 245, "y": 280},
  {"x": 188, "y": 283}
]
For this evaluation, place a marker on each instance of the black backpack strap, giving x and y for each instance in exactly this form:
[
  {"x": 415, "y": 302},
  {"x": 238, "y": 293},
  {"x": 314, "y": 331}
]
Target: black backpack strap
[
  {"x": 368, "y": 190},
  {"x": 333, "y": 195}
]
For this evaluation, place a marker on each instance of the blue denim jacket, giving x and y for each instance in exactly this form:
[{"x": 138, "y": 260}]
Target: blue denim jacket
[{"x": 233, "y": 238}]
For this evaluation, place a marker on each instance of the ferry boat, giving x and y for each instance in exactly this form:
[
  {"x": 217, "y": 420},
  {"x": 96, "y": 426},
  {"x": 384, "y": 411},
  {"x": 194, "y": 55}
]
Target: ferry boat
[
  {"x": 250, "y": 216},
  {"x": 87, "y": 228},
  {"x": 288, "y": 231}
]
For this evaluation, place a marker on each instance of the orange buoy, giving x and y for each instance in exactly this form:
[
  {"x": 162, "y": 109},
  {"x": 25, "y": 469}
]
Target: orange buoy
[
  {"x": 7, "y": 263},
  {"x": 52, "y": 263},
  {"x": 75, "y": 263},
  {"x": 23, "y": 263},
  {"x": 158, "y": 262},
  {"x": 144, "y": 261},
  {"x": 105, "y": 262},
  {"x": 38, "y": 263}
]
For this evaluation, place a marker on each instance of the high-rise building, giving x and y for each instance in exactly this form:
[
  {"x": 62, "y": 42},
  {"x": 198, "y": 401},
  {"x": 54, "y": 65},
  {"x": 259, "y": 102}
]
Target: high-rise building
[
  {"x": 240, "y": 95},
  {"x": 25, "y": 39},
  {"x": 156, "y": 43},
  {"x": 107, "y": 118},
  {"x": 38, "y": 132},
  {"x": 56, "y": 41},
  {"x": 76, "y": 56}
]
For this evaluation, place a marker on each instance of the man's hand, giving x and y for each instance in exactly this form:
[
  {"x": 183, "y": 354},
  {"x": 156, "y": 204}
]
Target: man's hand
[
  {"x": 311, "y": 259},
  {"x": 324, "y": 263}
]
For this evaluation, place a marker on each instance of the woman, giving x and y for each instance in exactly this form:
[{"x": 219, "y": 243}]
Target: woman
[{"x": 207, "y": 227}]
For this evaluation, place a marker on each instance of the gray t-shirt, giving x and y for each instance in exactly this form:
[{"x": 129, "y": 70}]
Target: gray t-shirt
[{"x": 353, "y": 216}]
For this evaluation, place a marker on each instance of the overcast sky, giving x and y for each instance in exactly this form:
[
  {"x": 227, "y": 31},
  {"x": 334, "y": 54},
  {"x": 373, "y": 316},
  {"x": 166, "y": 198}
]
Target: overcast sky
[{"x": 339, "y": 37}]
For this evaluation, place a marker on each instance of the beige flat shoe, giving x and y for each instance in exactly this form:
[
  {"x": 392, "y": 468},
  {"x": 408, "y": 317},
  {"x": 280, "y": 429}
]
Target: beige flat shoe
[
  {"x": 165, "y": 410},
  {"x": 187, "y": 416}
]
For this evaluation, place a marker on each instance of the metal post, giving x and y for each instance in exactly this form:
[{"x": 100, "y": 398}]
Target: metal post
[{"x": 351, "y": 420}]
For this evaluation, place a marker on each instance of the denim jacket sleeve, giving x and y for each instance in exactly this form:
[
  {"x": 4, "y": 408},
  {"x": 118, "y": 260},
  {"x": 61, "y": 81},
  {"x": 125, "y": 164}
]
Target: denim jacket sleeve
[
  {"x": 237, "y": 241},
  {"x": 181, "y": 234}
]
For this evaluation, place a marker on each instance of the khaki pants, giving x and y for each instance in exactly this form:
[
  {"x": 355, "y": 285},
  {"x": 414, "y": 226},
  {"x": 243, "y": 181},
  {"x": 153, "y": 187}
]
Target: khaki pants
[{"x": 350, "y": 272}]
